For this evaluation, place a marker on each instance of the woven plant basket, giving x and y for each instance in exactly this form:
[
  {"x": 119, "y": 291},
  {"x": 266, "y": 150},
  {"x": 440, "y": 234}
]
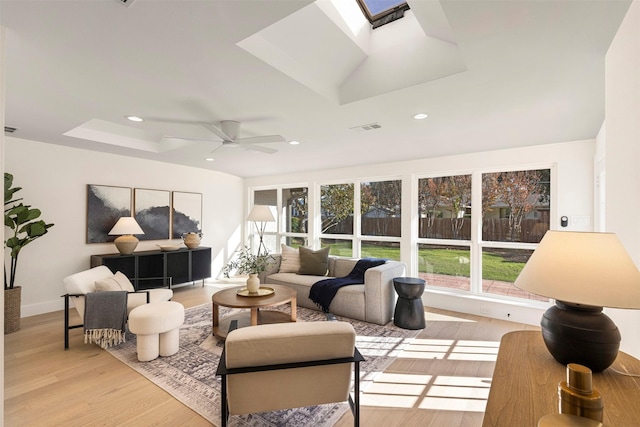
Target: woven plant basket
[{"x": 12, "y": 309}]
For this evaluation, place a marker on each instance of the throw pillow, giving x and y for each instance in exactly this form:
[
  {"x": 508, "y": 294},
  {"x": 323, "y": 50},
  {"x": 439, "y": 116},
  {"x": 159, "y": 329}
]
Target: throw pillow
[
  {"x": 125, "y": 283},
  {"x": 107, "y": 284},
  {"x": 312, "y": 262},
  {"x": 117, "y": 282},
  {"x": 290, "y": 262}
]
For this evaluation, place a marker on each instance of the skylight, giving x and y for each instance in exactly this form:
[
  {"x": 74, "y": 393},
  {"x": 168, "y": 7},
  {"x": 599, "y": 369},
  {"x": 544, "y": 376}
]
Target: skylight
[{"x": 380, "y": 12}]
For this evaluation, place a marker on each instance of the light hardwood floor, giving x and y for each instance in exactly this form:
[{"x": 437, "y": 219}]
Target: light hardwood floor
[{"x": 448, "y": 368}]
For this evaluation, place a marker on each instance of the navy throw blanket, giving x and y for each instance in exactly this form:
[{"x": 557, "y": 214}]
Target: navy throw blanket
[{"x": 323, "y": 292}]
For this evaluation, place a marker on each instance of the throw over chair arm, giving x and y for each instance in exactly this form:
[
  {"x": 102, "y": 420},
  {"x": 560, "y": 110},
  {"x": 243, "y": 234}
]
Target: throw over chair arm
[{"x": 271, "y": 336}]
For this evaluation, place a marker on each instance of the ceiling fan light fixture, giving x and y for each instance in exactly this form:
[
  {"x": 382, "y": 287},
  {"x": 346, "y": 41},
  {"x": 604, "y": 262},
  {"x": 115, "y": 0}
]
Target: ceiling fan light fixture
[{"x": 134, "y": 118}]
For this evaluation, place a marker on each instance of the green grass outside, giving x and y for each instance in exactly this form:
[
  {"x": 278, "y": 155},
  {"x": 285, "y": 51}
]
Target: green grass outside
[{"x": 450, "y": 262}]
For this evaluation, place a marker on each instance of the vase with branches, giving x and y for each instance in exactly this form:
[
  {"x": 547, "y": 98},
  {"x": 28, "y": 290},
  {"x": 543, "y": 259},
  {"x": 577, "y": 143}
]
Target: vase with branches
[{"x": 249, "y": 263}]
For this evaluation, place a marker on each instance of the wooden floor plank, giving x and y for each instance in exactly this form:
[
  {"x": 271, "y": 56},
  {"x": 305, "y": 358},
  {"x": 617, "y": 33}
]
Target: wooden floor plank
[{"x": 48, "y": 386}]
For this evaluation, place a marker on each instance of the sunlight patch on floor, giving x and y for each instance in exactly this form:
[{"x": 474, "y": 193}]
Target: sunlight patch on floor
[
  {"x": 451, "y": 350},
  {"x": 448, "y": 393}
]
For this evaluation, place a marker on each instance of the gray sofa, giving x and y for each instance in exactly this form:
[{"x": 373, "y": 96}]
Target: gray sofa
[{"x": 373, "y": 301}]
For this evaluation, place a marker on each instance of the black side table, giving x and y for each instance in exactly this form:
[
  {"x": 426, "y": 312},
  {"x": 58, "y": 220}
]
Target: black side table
[{"x": 409, "y": 312}]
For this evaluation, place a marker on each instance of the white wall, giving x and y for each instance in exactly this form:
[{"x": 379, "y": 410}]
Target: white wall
[
  {"x": 54, "y": 179},
  {"x": 622, "y": 156},
  {"x": 574, "y": 197}
]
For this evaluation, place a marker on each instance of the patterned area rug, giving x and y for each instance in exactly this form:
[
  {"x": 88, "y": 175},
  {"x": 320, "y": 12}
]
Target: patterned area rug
[{"x": 189, "y": 375}]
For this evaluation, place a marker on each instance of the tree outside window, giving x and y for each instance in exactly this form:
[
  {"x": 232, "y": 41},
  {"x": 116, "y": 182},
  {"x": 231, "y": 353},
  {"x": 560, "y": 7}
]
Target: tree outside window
[
  {"x": 515, "y": 205},
  {"x": 336, "y": 206},
  {"x": 444, "y": 207}
]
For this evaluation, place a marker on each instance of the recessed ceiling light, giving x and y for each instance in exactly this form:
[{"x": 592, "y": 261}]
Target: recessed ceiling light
[
  {"x": 420, "y": 116},
  {"x": 294, "y": 142},
  {"x": 134, "y": 118},
  {"x": 209, "y": 159}
]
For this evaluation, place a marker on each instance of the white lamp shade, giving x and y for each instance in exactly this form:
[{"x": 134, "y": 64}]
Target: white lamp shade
[
  {"x": 260, "y": 213},
  {"x": 583, "y": 268},
  {"x": 126, "y": 225}
]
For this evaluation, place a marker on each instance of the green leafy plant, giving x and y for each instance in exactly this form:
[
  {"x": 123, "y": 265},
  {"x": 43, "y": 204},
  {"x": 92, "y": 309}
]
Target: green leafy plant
[
  {"x": 247, "y": 263},
  {"x": 24, "y": 224}
]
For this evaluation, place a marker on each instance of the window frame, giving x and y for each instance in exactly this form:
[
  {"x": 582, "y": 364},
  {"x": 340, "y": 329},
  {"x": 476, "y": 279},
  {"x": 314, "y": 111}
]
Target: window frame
[{"x": 386, "y": 16}]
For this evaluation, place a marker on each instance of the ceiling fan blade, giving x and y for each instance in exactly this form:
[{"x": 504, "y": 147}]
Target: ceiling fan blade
[
  {"x": 260, "y": 139},
  {"x": 266, "y": 150},
  {"x": 216, "y": 131},
  {"x": 219, "y": 133},
  {"x": 185, "y": 138}
]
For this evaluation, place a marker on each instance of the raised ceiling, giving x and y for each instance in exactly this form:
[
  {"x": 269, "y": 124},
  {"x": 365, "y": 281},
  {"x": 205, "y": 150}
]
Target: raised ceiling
[{"x": 490, "y": 74}]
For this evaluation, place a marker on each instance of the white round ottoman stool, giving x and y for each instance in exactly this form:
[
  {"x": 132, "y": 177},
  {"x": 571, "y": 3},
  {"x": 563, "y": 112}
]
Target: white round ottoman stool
[{"x": 156, "y": 326}]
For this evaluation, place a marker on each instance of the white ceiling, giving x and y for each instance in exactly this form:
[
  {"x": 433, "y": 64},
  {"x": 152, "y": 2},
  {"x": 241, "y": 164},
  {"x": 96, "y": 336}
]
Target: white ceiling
[{"x": 490, "y": 74}]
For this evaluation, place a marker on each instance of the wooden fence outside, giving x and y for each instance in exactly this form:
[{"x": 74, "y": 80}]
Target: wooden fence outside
[{"x": 493, "y": 229}]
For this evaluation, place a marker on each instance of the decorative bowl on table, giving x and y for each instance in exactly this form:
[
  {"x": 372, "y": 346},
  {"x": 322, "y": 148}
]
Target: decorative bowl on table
[{"x": 168, "y": 248}]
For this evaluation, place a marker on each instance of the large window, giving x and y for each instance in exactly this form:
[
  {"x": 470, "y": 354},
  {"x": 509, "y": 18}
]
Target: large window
[
  {"x": 471, "y": 232},
  {"x": 513, "y": 216},
  {"x": 290, "y": 208},
  {"x": 375, "y": 232}
]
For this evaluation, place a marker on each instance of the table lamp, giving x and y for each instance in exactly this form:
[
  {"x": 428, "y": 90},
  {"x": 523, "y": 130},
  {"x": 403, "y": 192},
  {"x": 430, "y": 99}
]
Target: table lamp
[
  {"x": 261, "y": 214},
  {"x": 583, "y": 272},
  {"x": 125, "y": 228}
]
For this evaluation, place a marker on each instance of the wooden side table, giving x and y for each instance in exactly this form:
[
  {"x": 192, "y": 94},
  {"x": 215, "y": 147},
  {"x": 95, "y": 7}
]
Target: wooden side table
[
  {"x": 525, "y": 381},
  {"x": 230, "y": 298}
]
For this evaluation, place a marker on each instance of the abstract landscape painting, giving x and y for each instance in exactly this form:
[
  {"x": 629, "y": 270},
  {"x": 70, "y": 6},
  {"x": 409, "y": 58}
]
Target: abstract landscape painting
[
  {"x": 152, "y": 212},
  {"x": 105, "y": 205},
  {"x": 187, "y": 213}
]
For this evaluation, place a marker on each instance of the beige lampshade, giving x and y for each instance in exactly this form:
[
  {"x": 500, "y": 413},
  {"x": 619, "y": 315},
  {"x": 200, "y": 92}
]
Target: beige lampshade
[
  {"x": 260, "y": 213},
  {"x": 126, "y": 225},
  {"x": 583, "y": 268}
]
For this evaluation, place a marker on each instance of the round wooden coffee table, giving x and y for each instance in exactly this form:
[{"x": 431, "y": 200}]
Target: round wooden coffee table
[{"x": 230, "y": 298}]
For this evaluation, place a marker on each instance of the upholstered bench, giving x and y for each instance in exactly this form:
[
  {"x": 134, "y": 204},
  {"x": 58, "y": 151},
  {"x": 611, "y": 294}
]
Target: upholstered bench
[{"x": 157, "y": 326}]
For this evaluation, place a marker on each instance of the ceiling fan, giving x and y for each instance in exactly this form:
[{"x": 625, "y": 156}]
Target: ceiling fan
[{"x": 228, "y": 131}]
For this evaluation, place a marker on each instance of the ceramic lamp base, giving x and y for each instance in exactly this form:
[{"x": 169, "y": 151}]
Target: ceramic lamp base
[
  {"x": 126, "y": 244},
  {"x": 580, "y": 334}
]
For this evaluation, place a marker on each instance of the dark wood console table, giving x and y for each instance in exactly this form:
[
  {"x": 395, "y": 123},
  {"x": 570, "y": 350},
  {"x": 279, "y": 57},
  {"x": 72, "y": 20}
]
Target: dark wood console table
[
  {"x": 151, "y": 269},
  {"x": 525, "y": 381}
]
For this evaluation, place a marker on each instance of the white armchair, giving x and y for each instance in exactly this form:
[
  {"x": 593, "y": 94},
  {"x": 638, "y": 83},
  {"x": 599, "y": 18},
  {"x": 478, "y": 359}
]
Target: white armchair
[
  {"x": 289, "y": 365},
  {"x": 79, "y": 284}
]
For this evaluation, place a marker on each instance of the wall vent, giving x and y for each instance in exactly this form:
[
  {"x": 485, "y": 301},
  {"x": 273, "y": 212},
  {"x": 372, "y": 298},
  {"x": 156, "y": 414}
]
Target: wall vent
[
  {"x": 9, "y": 129},
  {"x": 125, "y": 2},
  {"x": 370, "y": 126}
]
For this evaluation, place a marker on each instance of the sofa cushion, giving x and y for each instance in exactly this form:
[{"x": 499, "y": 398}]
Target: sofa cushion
[
  {"x": 290, "y": 262},
  {"x": 315, "y": 263},
  {"x": 117, "y": 282}
]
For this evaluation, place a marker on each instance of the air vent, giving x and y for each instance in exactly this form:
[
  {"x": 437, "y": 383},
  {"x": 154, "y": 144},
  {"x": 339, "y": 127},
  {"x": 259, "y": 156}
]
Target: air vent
[
  {"x": 125, "y": 2},
  {"x": 9, "y": 129},
  {"x": 370, "y": 126}
]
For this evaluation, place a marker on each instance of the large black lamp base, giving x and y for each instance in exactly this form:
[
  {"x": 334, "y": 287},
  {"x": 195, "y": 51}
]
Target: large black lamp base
[{"x": 575, "y": 333}]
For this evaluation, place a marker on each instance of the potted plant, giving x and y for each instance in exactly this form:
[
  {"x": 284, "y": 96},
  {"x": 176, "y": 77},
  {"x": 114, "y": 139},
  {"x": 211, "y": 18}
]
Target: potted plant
[
  {"x": 25, "y": 227},
  {"x": 248, "y": 263}
]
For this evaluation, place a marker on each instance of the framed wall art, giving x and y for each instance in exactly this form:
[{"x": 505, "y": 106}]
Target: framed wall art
[
  {"x": 186, "y": 213},
  {"x": 105, "y": 205},
  {"x": 152, "y": 212}
]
